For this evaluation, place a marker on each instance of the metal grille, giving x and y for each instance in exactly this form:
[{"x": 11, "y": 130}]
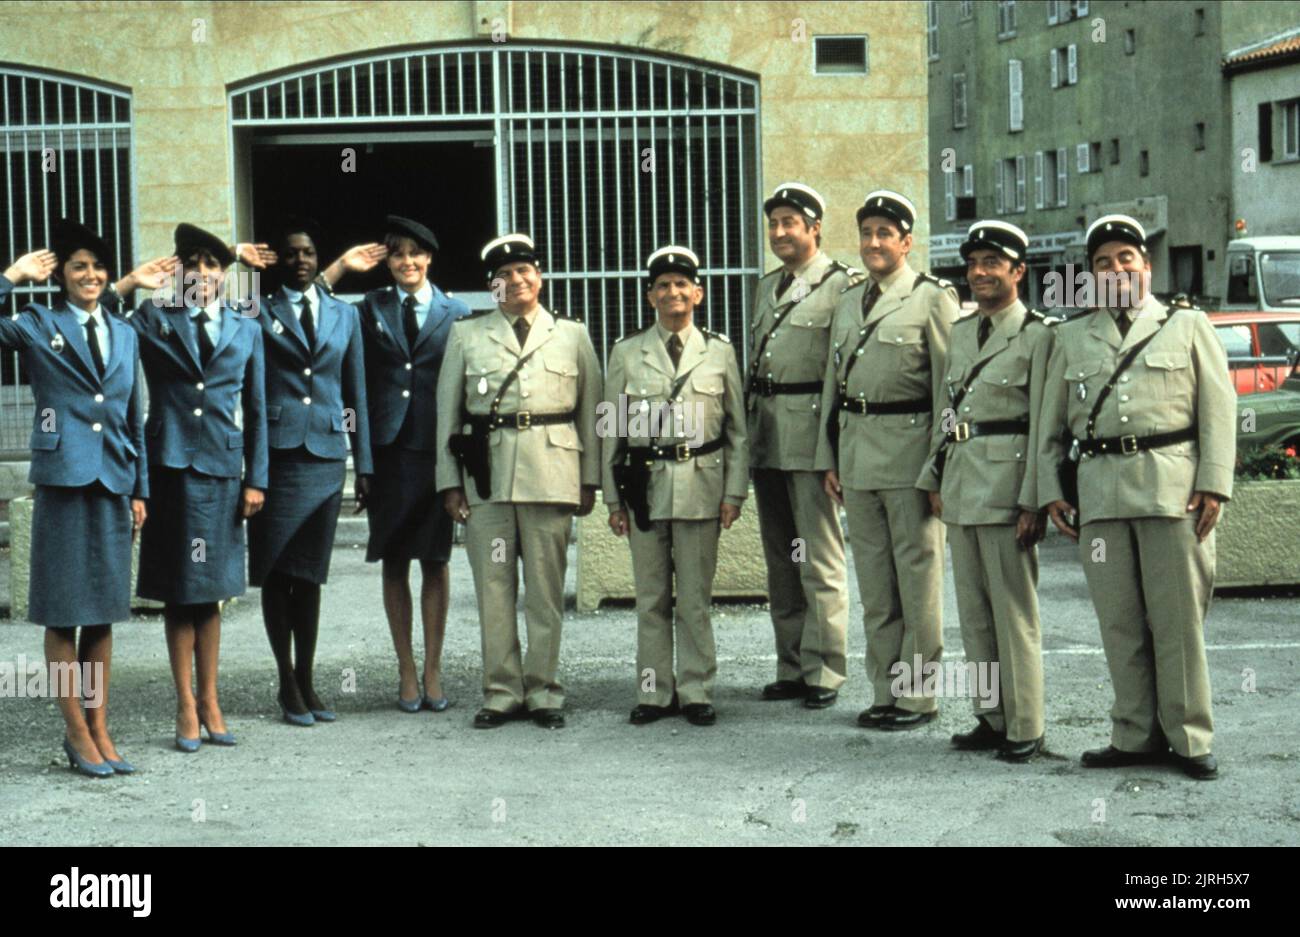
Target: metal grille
[
  {"x": 82, "y": 132},
  {"x": 603, "y": 156}
]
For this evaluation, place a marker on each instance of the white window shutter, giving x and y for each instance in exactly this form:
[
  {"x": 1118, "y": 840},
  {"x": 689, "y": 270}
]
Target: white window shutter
[
  {"x": 1081, "y": 7},
  {"x": 1056, "y": 71},
  {"x": 1081, "y": 158},
  {"x": 968, "y": 180},
  {"x": 1038, "y": 179},
  {"x": 1016, "y": 89},
  {"x": 1020, "y": 183},
  {"x": 949, "y": 196},
  {"x": 1073, "y": 65},
  {"x": 1052, "y": 17},
  {"x": 1062, "y": 177},
  {"x": 998, "y": 199}
]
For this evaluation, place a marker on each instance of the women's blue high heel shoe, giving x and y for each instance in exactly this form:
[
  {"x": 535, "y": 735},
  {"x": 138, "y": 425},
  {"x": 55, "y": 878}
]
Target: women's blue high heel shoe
[
  {"x": 297, "y": 719},
  {"x": 410, "y": 705},
  {"x": 77, "y": 763},
  {"x": 188, "y": 746},
  {"x": 121, "y": 766},
  {"x": 324, "y": 715},
  {"x": 218, "y": 738},
  {"x": 441, "y": 704}
]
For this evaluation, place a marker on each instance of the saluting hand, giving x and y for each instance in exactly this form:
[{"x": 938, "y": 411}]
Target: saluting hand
[
  {"x": 618, "y": 522},
  {"x": 363, "y": 257},
  {"x": 251, "y": 502},
  {"x": 138, "y": 515},
  {"x": 33, "y": 267},
  {"x": 831, "y": 483},
  {"x": 257, "y": 256},
  {"x": 1209, "y": 505},
  {"x": 1062, "y": 515},
  {"x": 150, "y": 276},
  {"x": 728, "y": 515}
]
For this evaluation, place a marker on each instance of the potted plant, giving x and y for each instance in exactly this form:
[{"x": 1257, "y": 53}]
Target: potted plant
[{"x": 1258, "y": 537}]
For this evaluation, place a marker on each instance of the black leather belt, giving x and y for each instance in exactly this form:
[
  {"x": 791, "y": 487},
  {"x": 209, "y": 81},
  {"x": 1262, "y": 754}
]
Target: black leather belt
[
  {"x": 766, "y": 387},
  {"x": 1128, "y": 445},
  {"x": 521, "y": 420},
  {"x": 964, "y": 431},
  {"x": 680, "y": 452},
  {"x": 863, "y": 407}
]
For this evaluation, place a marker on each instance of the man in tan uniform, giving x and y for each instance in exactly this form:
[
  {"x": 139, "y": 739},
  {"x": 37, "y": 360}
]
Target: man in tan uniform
[
  {"x": 1155, "y": 447},
  {"x": 517, "y": 399},
  {"x": 981, "y": 476},
  {"x": 882, "y": 391},
  {"x": 802, "y": 542},
  {"x": 678, "y": 467}
]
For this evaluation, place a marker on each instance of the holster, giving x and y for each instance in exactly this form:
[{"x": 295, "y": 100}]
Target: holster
[
  {"x": 633, "y": 484},
  {"x": 471, "y": 451}
]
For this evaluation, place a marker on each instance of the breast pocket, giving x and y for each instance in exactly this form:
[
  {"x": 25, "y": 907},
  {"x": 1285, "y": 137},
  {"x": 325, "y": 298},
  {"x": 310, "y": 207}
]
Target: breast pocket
[
  {"x": 1089, "y": 376},
  {"x": 560, "y": 374},
  {"x": 907, "y": 341},
  {"x": 1168, "y": 373},
  {"x": 1005, "y": 390}
]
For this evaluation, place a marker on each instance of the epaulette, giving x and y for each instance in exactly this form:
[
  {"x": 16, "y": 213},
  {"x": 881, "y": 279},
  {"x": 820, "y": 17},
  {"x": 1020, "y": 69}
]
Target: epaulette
[
  {"x": 1042, "y": 318},
  {"x": 640, "y": 331},
  {"x": 566, "y": 318},
  {"x": 929, "y": 278},
  {"x": 856, "y": 278},
  {"x": 1065, "y": 316},
  {"x": 1183, "y": 301},
  {"x": 475, "y": 314},
  {"x": 708, "y": 334}
]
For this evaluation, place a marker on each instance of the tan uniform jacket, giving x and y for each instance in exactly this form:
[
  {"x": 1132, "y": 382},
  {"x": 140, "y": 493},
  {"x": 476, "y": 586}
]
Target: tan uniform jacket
[
  {"x": 1179, "y": 379},
  {"x": 642, "y": 372},
  {"x": 542, "y": 463},
  {"x": 990, "y": 479},
  {"x": 902, "y": 360},
  {"x": 783, "y": 428}
]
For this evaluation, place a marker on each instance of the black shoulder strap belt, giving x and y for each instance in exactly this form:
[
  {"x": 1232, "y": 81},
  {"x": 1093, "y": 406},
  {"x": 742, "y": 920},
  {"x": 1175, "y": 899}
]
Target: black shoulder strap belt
[
  {"x": 779, "y": 316},
  {"x": 1129, "y": 357}
]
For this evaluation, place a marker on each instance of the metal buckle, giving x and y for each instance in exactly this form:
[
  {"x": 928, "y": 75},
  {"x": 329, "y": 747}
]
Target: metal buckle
[
  {"x": 961, "y": 432},
  {"x": 523, "y": 419},
  {"x": 682, "y": 452},
  {"x": 1128, "y": 444}
]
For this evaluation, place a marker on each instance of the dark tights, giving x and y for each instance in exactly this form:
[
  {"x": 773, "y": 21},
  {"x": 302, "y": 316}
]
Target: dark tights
[{"x": 291, "y": 612}]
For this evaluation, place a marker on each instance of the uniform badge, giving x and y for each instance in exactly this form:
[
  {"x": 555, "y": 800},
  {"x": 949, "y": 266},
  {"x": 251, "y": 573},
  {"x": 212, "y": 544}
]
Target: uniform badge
[
  {"x": 277, "y": 327},
  {"x": 645, "y": 406},
  {"x": 482, "y": 385},
  {"x": 56, "y": 343},
  {"x": 837, "y": 359},
  {"x": 1074, "y": 451},
  {"x": 164, "y": 329},
  {"x": 1082, "y": 392}
]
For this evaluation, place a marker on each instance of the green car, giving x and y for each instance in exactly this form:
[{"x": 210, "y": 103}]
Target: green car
[{"x": 1272, "y": 417}]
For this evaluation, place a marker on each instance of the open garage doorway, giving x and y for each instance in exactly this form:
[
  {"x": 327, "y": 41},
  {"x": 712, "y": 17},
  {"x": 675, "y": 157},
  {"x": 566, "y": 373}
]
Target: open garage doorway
[{"x": 349, "y": 181}]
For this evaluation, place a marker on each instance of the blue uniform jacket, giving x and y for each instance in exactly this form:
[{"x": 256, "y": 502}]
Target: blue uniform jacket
[
  {"x": 85, "y": 428},
  {"x": 399, "y": 378},
  {"x": 314, "y": 396},
  {"x": 192, "y": 418}
]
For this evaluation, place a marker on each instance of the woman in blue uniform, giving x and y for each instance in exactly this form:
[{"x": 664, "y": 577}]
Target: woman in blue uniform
[
  {"x": 204, "y": 365},
  {"x": 406, "y": 328},
  {"x": 91, "y": 480},
  {"x": 315, "y": 396}
]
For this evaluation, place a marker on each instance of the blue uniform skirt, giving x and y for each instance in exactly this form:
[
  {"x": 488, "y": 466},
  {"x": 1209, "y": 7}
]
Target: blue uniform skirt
[
  {"x": 294, "y": 531},
  {"x": 185, "y": 506},
  {"x": 81, "y": 557},
  {"x": 406, "y": 518}
]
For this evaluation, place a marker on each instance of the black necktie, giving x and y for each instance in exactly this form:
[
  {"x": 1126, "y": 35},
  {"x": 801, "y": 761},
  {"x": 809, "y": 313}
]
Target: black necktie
[
  {"x": 986, "y": 326},
  {"x": 521, "y": 331},
  {"x": 307, "y": 323},
  {"x": 205, "y": 341},
  {"x": 409, "y": 323},
  {"x": 869, "y": 300},
  {"x": 93, "y": 341},
  {"x": 675, "y": 350},
  {"x": 784, "y": 285},
  {"x": 1122, "y": 322}
]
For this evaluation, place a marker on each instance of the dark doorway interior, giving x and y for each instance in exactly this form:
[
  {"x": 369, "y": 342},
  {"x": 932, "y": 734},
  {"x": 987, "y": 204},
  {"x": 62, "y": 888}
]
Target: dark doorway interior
[
  {"x": 448, "y": 185},
  {"x": 1186, "y": 265}
]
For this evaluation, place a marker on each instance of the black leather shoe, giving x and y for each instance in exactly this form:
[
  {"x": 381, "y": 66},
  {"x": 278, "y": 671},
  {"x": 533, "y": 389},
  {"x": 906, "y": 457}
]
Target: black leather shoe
[
  {"x": 901, "y": 720},
  {"x": 1020, "y": 751},
  {"x": 491, "y": 718},
  {"x": 644, "y": 714},
  {"x": 981, "y": 738},
  {"x": 785, "y": 689},
  {"x": 873, "y": 717},
  {"x": 1200, "y": 768},
  {"x": 548, "y": 718},
  {"x": 699, "y": 714},
  {"x": 1112, "y": 757},
  {"x": 820, "y": 698}
]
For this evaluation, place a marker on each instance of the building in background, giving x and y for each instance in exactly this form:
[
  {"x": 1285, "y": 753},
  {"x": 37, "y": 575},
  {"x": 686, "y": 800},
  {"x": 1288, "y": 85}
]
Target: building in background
[
  {"x": 1050, "y": 114},
  {"x": 605, "y": 130}
]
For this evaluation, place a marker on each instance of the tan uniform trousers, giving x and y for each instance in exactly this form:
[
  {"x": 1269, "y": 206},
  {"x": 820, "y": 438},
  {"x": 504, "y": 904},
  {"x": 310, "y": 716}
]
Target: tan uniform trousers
[
  {"x": 997, "y": 597},
  {"x": 808, "y": 595},
  {"x": 898, "y": 555},
  {"x": 497, "y": 534},
  {"x": 688, "y": 549},
  {"x": 1151, "y": 593}
]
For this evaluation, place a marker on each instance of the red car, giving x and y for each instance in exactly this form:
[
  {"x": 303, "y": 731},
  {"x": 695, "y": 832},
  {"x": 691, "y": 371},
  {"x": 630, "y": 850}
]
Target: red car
[{"x": 1262, "y": 347}]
